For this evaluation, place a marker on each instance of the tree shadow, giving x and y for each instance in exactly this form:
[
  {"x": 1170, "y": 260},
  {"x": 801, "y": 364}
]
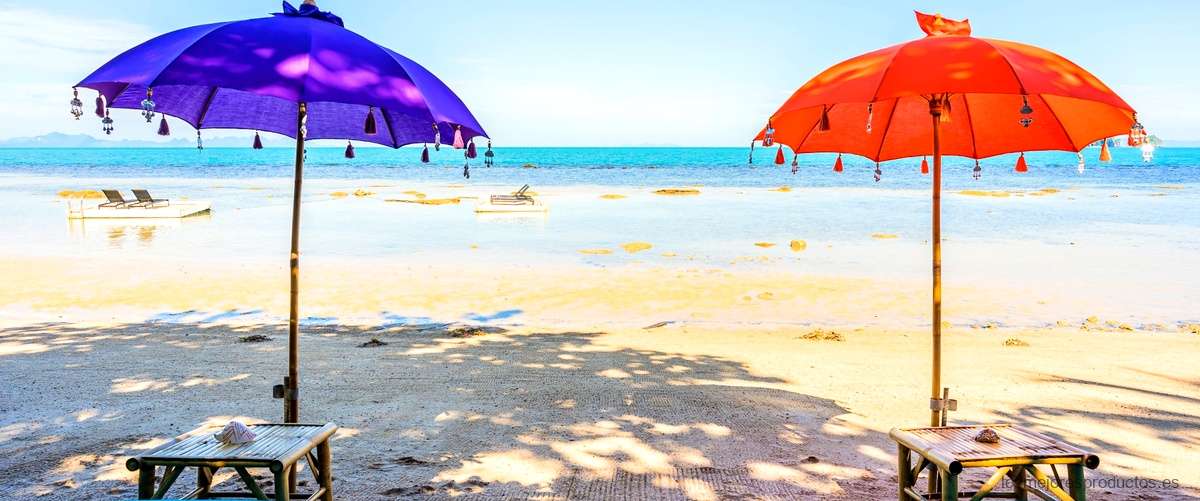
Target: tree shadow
[{"x": 437, "y": 411}]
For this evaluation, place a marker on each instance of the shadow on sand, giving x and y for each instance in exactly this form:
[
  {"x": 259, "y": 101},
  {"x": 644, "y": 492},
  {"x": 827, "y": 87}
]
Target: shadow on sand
[{"x": 436, "y": 411}]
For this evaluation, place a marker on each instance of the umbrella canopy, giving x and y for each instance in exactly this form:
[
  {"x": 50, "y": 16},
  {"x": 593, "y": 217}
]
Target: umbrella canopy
[
  {"x": 299, "y": 73},
  {"x": 948, "y": 93},
  {"x": 250, "y": 74},
  {"x": 998, "y": 97}
]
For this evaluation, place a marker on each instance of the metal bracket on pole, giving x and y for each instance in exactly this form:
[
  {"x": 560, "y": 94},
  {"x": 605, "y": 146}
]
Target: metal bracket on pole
[{"x": 943, "y": 406}]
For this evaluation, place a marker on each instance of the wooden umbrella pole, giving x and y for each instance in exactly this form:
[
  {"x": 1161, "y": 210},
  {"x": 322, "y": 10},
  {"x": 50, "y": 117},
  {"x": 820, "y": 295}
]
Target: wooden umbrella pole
[
  {"x": 291, "y": 397},
  {"x": 936, "y": 107}
]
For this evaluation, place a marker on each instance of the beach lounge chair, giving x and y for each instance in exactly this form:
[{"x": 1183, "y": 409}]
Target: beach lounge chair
[
  {"x": 115, "y": 200},
  {"x": 145, "y": 200},
  {"x": 517, "y": 198}
]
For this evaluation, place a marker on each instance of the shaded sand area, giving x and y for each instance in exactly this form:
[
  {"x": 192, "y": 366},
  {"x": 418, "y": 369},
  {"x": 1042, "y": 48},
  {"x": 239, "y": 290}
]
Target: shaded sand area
[{"x": 629, "y": 381}]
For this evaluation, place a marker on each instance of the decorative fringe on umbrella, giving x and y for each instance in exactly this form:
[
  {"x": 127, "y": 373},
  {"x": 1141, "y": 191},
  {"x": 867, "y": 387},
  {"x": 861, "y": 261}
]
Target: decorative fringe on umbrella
[
  {"x": 199, "y": 141},
  {"x": 163, "y": 129},
  {"x": 349, "y": 150},
  {"x": 779, "y": 158},
  {"x": 750, "y": 161},
  {"x": 76, "y": 105},
  {"x": 1021, "y": 165},
  {"x": 458, "y": 139},
  {"x": 795, "y": 163},
  {"x": 489, "y": 158},
  {"x": 1081, "y": 165},
  {"x": 471, "y": 153},
  {"x": 1105, "y": 156},
  {"x": 107, "y": 123},
  {"x": 257, "y": 141},
  {"x": 924, "y": 166},
  {"x": 837, "y": 164},
  {"x": 768, "y": 135},
  {"x": 369, "y": 127},
  {"x": 425, "y": 154},
  {"x": 148, "y": 105},
  {"x": 100, "y": 111},
  {"x": 437, "y": 138},
  {"x": 878, "y": 172},
  {"x": 823, "y": 125},
  {"x": 466, "y": 167},
  {"x": 977, "y": 172}
]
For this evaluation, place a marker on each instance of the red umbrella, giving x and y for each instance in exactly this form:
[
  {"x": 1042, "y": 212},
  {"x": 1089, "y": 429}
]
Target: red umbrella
[{"x": 949, "y": 93}]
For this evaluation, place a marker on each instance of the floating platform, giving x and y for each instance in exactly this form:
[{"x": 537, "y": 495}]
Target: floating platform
[
  {"x": 491, "y": 208},
  {"x": 175, "y": 210}
]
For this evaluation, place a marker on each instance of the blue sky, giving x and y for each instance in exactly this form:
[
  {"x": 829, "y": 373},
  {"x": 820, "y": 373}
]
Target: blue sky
[{"x": 620, "y": 72}]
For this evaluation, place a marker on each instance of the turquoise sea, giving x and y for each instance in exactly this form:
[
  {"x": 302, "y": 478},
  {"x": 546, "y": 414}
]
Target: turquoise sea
[{"x": 1126, "y": 232}]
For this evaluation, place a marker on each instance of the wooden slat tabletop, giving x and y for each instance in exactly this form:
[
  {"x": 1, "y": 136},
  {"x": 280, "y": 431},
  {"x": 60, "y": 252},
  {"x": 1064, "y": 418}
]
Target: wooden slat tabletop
[
  {"x": 273, "y": 442},
  {"x": 959, "y": 442}
]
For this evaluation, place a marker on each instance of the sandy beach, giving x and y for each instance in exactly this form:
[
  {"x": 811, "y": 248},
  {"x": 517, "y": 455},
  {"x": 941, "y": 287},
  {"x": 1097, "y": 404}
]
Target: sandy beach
[{"x": 625, "y": 379}]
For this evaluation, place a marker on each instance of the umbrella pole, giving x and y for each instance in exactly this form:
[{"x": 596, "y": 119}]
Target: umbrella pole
[
  {"x": 936, "y": 402},
  {"x": 291, "y": 396}
]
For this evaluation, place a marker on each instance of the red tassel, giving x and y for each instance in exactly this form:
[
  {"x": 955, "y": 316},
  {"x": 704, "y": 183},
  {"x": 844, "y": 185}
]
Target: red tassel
[
  {"x": 823, "y": 126},
  {"x": 471, "y": 150},
  {"x": 924, "y": 165},
  {"x": 837, "y": 165},
  {"x": 1105, "y": 156},
  {"x": 425, "y": 155},
  {"x": 100, "y": 106},
  {"x": 257, "y": 141},
  {"x": 163, "y": 129},
  {"x": 779, "y": 159},
  {"x": 1021, "y": 166},
  {"x": 349, "y": 150},
  {"x": 369, "y": 128}
]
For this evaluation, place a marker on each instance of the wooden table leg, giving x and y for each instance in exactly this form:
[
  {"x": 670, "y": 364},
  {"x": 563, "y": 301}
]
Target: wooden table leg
[
  {"x": 204, "y": 478},
  {"x": 325, "y": 464},
  {"x": 904, "y": 477},
  {"x": 146, "y": 481},
  {"x": 1076, "y": 482},
  {"x": 1020, "y": 493},
  {"x": 283, "y": 479},
  {"x": 949, "y": 485}
]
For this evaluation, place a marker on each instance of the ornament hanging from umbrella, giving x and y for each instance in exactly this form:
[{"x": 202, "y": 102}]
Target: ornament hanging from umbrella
[
  {"x": 948, "y": 94},
  {"x": 299, "y": 73}
]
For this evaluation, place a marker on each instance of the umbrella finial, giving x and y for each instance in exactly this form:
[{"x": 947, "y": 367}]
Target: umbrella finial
[
  {"x": 937, "y": 26},
  {"x": 310, "y": 2}
]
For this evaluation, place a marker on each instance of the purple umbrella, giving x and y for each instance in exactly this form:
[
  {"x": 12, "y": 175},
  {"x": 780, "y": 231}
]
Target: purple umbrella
[{"x": 299, "y": 73}]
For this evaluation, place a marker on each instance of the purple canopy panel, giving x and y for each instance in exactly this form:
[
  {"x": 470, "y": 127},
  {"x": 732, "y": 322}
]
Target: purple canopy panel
[{"x": 251, "y": 74}]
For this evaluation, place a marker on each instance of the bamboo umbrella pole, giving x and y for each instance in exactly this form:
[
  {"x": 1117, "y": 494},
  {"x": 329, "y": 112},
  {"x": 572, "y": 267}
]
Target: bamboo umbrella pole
[
  {"x": 291, "y": 397},
  {"x": 936, "y": 108}
]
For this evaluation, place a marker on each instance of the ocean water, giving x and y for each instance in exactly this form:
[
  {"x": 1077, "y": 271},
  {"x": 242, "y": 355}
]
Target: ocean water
[{"x": 1127, "y": 232}]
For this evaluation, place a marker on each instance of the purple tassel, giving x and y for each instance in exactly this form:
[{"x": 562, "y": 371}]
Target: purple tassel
[
  {"x": 369, "y": 128},
  {"x": 100, "y": 106},
  {"x": 471, "y": 150},
  {"x": 349, "y": 150},
  {"x": 163, "y": 129},
  {"x": 257, "y": 141},
  {"x": 458, "y": 138},
  {"x": 425, "y": 155}
]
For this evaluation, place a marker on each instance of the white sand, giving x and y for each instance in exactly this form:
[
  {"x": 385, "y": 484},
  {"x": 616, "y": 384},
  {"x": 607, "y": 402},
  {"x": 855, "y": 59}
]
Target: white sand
[{"x": 574, "y": 399}]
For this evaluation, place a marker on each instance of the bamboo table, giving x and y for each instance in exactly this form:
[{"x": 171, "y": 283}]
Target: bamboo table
[
  {"x": 277, "y": 447},
  {"x": 950, "y": 449}
]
